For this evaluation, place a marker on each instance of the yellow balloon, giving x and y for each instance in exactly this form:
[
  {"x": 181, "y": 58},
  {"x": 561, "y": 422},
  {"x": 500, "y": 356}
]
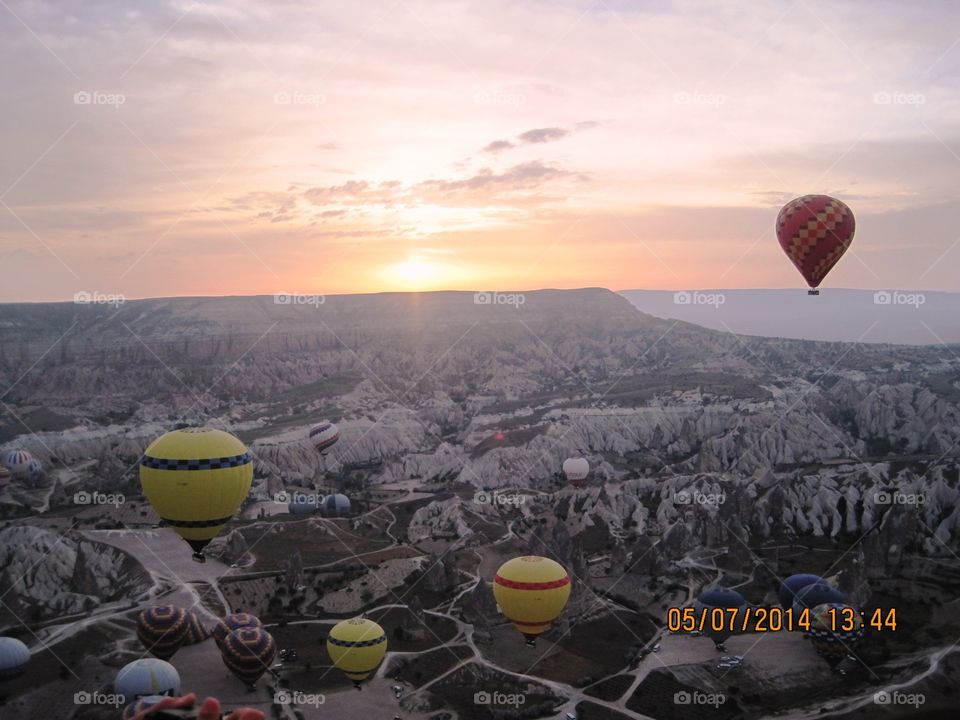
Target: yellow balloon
[
  {"x": 357, "y": 646},
  {"x": 196, "y": 479},
  {"x": 532, "y": 592}
]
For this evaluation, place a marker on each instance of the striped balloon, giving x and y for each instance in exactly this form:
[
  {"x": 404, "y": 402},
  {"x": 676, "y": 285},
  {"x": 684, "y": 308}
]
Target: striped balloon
[
  {"x": 248, "y": 653},
  {"x": 162, "y": 629},
  {"x": 16, "y": 461},
  {"x": 196, "y": 630},
  {"x": 815, "y": 231},
  {"x": 324, "y": 435},
  {"x": 237, "y": 621},
  {"x": 5, "y": 475}
]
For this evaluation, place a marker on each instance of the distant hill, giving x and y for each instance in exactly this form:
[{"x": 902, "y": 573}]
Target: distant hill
[{"x": 907, "y": 317}]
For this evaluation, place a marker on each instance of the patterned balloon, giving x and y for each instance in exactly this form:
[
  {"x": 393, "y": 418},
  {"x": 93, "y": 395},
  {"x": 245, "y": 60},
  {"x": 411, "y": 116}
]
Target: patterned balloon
[
  {"x": 827, "y": 633},
  {"x": 248, "y": 653},
  {"x": 162, "y": 629},
  {"x": 237, "y": 621},
  {"x": 324, "y": 435},
  {"x": 196, "y": 630},
  {"x": 815, "y": 231}
]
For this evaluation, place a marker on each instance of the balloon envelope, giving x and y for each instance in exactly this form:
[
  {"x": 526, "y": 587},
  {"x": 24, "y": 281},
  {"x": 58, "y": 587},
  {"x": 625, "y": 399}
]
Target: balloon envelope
[
  {"x": 335, "y": 506},
  {"x": 531, "y": 591},
  {"x": 827, "y": 631},
  {"x": 576, "y": 470},
  {"x": 816, "y": 594},
  {"x": 16, "y": 461},
  {"x": 236, "y": 621},
  {"x": 356, "y": 647},
  {"x": 324, "y": 435},
  {"x": 196, "y": 479},
  {"x": 815, "y": 231},
  {"x": 162, "y": 629},
  {"x": 718, "y": 598},
  {"x": 793, "y": 585},
  {"x": 248, "y": 653},
  {"x": 147, "y": 676},
  {"x": 14, "y": 656}
]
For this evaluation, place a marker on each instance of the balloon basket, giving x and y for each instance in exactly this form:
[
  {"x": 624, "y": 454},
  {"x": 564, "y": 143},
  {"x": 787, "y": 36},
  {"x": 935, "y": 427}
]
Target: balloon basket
[
  {"x": 199, "y": 557},
  {"x": 813, "y": 292}
]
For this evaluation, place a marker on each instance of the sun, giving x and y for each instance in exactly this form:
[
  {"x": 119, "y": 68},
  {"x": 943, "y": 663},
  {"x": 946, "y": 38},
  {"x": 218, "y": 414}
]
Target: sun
[{"x": 413, "y": 273}]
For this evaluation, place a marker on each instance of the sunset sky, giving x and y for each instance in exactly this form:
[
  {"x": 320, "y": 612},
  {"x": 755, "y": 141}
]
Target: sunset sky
[{"x": 255, "y": 146}]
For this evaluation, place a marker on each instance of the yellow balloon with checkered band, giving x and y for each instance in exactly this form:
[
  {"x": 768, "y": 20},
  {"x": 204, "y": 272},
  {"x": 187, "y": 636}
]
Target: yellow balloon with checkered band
[
  {"x": 196, "y": 479},
  {"x": 357, "y": 647},
  {"x": 531, "y": 591}
]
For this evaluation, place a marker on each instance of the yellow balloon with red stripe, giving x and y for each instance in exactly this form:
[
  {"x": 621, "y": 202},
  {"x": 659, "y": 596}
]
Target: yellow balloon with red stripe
[{"x": 531, "y": 591}]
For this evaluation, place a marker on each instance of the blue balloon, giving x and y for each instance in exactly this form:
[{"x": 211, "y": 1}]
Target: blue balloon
[
  {"x": 723, "y": 598},
  {"x": 14, "y": 657},
  {"x": 335, "y": 506},
  {"x": 817, "y": 594},
  {"x": 147, "y": 676},
  {"x": 793, "y": 585}
]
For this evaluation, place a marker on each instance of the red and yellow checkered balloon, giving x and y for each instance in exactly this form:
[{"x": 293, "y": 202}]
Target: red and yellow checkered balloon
[{"x": 815, "y": 231}]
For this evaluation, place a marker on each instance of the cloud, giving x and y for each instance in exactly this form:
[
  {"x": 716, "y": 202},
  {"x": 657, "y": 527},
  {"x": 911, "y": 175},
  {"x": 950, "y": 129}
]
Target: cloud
[
  {"x": 498, "y": 145},
  {"x": 542, "y": 135}
]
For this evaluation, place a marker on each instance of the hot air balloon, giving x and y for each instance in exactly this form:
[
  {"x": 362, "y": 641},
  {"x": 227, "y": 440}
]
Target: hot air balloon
[
  {"x": 237, "y": 621},
  {"x": 196, "y": 479},
  {"x": 34, "y": 469},
  {"x": 324, "y": 435},
  {"x": 16, "y": 461},
  {"x": 248, "y": 653},
  {"x": 147, "y": 676},
  {"x": 834, "y": 629},
  {"x": 719, "y": 626},
  {"x": 792, "y": 585},
  {"x": 14, "y": 657},
  {"x": 335, "y": 506},
  {"x": 576, "y": 470},
  {"x": 196, "y": 630},
  {"x": 302, "y": 504},
  {"x": 5, "y": 475},
  {"x": 356, "y": 647},
  {"x": 135, "y": 708},
  {"x": 531, "y": 592},
  {"x": 162, "y": 629},
  {"x": 815, "y": 231},
  {"x": 816, "y": 594}
]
